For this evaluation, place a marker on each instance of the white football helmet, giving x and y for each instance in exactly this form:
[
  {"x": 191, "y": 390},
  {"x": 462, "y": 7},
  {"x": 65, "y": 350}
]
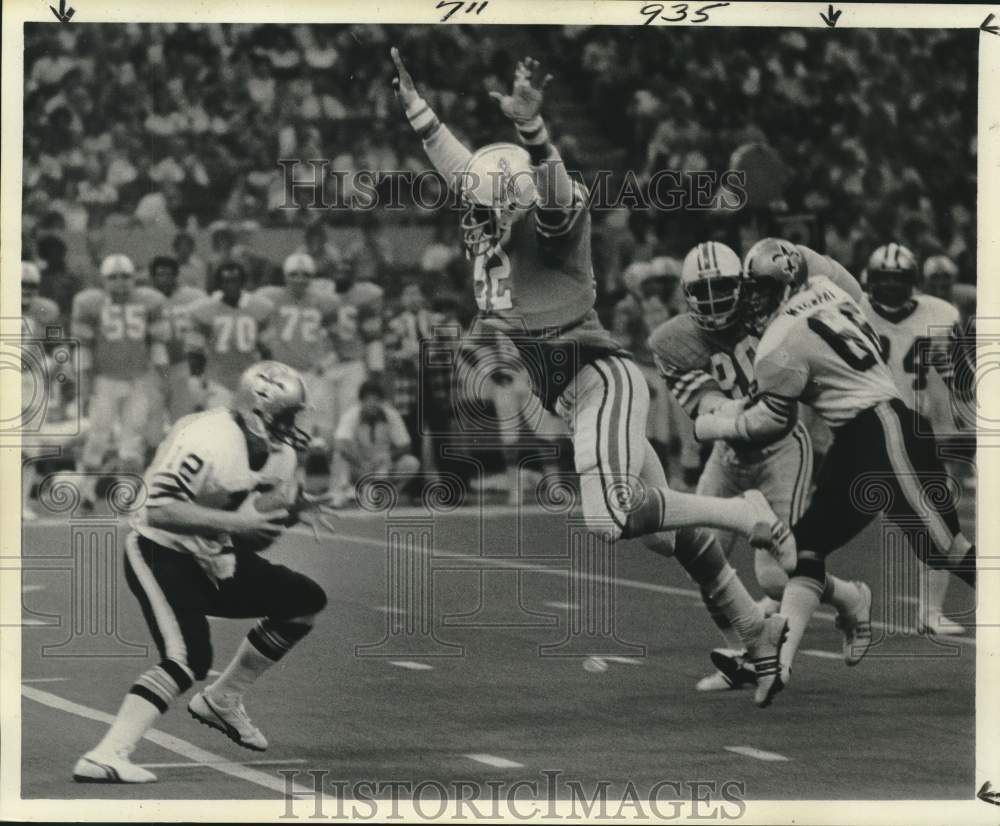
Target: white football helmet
[
  {"x": 891, "y": 276},
  {"x": 299, "y": 262},
  {"x": 269, "y": 398},
  {"x": 711, "y": 277},
  {"x": 498, "y": 184},
  {"x": 773, "y": 270},
  {"x": 118, "y": 273},
  {"x": 31, "y": 276}
]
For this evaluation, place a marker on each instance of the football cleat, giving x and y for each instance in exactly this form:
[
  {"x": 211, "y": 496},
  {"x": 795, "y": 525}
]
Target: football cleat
[
  {"x": 110, "y": 767},
  {"x": 940, "y": 625},
  {"x": 857, "y": 628},
  {"x": 764, "y": 655},
  {"x": 233, "y": 721},
  {"x": 734, "y": 672},
  {"x": 770, "y": 533}
]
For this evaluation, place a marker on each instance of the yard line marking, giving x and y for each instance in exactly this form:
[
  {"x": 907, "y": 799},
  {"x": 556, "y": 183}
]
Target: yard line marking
[
  {"x": 30, "y": 621},
  {"x": 412, "y": 665},
  {"x": 626, "y": 660},
  {"x": 44, "y": 680},
  {"x": 556, "y": 604},
  {"x": 826, "y": 655},
  {"x": 27, "y": 589},
  {"x": 185, "y": 764},
  {"x": 171, "y": 743},
  {"x": 496, "y": 762},
  {"x": 758, "y": 754}
]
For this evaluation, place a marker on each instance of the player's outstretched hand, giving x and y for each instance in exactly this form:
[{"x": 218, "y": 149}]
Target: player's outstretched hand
[
  {"x": 402, "y": 84},
  {"x": 257, "y": 529},
  {"x": 316, "y": 510},
  {"x": 525, "y": 100}
]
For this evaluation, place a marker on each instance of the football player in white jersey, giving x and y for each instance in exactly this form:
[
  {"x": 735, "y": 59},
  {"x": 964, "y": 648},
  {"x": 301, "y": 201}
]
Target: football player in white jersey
[
  {"x": 194, "y": 552},
  {"x": 817, "y": 347},
  {"x": 706, "y": 356},
  {"x": 917, "y": 332}
]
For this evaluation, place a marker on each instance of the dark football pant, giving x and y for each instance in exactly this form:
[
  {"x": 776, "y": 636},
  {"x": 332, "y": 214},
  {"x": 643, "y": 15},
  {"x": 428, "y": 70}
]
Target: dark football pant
[
  {"x": 878, "y": 464},
  {"x": 177, "y": 597}
]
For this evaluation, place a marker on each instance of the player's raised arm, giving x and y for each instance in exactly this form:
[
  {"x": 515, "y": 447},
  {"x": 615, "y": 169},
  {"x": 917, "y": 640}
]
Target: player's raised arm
[
  {"x": 446, "y": 152},
  {"x": 557, "y": 194}
]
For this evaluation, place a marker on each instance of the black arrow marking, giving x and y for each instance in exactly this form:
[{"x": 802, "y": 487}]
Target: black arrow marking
[
  {"x": 985, "y": 794},
  {"x": 64, "y": 15},
  {"x": 986, "y": 27},
  {"x": 831, "y": 16}
]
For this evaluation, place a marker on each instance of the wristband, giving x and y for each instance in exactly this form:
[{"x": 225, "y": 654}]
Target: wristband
[
  {"x": 419, "y": 114},
  {"x": 533, "y": 132}
]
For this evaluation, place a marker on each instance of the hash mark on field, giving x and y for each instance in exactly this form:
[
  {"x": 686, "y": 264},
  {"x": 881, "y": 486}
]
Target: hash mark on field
[
  {"x": 826, "y": 655},
  {"x": 496, "y": 762},
  {"x": 758, "y": 754},
  {"x": 27, "y": 589},
  {"x": 44, "y": 680},
  {"x": 412, "y": 665},
  {"x": 31, "y": 621},
  {"x": 557, "y": 604}
]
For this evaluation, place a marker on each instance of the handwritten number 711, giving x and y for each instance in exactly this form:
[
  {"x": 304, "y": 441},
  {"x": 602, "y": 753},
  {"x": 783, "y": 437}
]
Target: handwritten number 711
[
  {"x": 654, "y": 11},
  {"x": 455, "y": 5}
]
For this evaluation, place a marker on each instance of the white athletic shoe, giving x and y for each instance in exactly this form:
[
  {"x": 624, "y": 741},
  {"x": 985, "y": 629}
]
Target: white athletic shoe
[
  {"x": 857, "y": 628},
  {"x": 233, "y": 721},
  {"x": 770, "y": 533},
  {"x": 940, "y": 625},
  {"x": 110, "y": 767},
  {"x": 764, "y": 654}
]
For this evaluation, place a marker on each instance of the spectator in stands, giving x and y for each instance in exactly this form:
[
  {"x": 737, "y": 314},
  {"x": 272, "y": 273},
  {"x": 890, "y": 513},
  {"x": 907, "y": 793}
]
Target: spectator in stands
[
  {"x": 373, "y": 442},
  {"x": 58, "y": 283},
  {"x": 405, "y": 333},
  {"x": 192, "y": 271},
  {"x": 324, "y": 252}
]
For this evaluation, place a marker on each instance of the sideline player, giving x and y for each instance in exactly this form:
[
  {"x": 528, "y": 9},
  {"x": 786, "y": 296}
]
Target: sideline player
[
  {"x": 816, "y": 347},
  {"x": 194, "y": 553},
  {"x": 917, "y": 332},
  {"x": 298, "y": 334},
  {"x": 706, "y": 356},
  {"x": 175, "y": 390},
  {"x": 122, "y": 334},
  {"x": 526, "y": 225},
  {"x": 225, "y": 335}
]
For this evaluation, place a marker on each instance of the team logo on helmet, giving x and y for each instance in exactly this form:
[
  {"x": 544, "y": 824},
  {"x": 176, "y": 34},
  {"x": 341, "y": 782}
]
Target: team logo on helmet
[{"x": 711, "y": 277}]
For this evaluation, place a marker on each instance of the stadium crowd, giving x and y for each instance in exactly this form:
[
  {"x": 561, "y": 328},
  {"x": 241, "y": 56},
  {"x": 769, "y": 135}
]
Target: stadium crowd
[{"x": 179, "y": 127}]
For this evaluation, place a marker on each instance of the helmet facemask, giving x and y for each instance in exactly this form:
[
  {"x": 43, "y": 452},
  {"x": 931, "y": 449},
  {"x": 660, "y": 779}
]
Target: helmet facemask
[
  {"x": 761, "y": 298},
  {"x": 891, "y": 289},
  {"x": 713, "y": 302},
  {"x": 282, "y": 428}
]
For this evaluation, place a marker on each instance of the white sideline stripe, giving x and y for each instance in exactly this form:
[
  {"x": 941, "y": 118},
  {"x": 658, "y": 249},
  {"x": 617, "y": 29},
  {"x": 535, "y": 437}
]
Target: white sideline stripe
[
  {"x": 757, "y": 754},
  {"x": 44, "y": 680},
  {"x": 170, "y": 743},
  {"x": 635, "y": 584},
  {"x": 412, "y": 665},
  {"x": 826, "y": 655},
  {"x": 185, "y": 764},
  {"x": 496, "y": 762}
]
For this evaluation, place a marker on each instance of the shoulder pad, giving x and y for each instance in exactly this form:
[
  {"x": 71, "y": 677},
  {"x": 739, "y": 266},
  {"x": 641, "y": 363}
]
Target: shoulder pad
[{"x": 680, "y": 342}]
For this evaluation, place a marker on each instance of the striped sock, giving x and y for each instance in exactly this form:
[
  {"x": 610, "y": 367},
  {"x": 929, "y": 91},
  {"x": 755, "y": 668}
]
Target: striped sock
[
  {"x": 148, "y": 698},
  {"x": 267, "y": 642}
]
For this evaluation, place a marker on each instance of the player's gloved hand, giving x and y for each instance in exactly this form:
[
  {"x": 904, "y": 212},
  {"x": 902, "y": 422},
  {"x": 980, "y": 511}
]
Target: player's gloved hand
[
  {"x": 402, "y": 84},
  {"x": 255, "y": 529},
  {"x": 525, "y": 101}
]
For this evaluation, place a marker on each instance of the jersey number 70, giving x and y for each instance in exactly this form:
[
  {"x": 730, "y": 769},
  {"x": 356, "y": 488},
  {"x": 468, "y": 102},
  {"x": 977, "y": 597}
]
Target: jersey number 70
[{"x": 849, "y": 334}]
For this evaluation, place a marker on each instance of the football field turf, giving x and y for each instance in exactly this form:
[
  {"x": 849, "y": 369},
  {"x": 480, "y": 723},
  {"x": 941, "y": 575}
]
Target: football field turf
[{"x": 477, "y": 675}]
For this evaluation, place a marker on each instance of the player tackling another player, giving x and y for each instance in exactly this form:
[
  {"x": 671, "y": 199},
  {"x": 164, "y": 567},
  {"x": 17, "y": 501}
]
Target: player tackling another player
[
  {"x": 817, "y": 347},
  {"x": 194, "y": 552}
]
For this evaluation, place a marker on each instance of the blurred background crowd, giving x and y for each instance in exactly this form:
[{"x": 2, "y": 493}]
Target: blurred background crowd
[{"x": 173, "y": 133}]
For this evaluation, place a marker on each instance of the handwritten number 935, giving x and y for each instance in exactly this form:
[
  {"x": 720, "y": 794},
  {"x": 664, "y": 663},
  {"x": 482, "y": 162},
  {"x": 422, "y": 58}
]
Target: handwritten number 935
[{"x": 679, "y": 11}]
